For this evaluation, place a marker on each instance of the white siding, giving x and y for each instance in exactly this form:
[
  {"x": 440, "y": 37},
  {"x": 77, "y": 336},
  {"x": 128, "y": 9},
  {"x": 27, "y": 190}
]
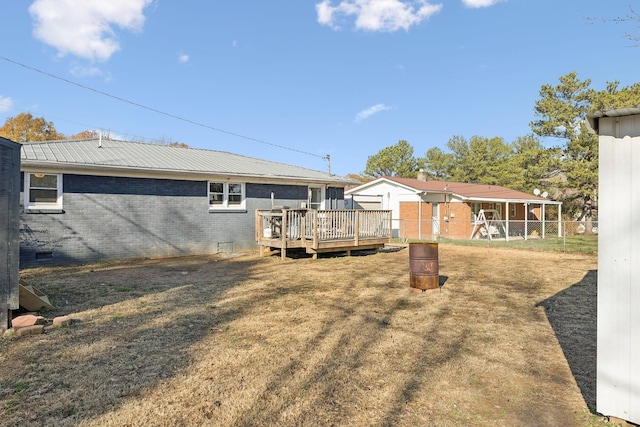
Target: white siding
[
  {"x": 618, "y": 372},
  {"x": 391, "y": 196}
]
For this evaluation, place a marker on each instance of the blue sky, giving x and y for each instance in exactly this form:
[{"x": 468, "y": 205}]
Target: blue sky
[{"x": 293, "y": 81}]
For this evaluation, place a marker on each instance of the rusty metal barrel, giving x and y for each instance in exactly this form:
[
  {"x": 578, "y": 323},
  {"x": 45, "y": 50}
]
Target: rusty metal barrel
[{"x": 423, "y": 265}]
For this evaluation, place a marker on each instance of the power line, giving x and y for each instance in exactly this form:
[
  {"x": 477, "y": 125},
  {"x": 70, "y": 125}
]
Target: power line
[{"x": 193, "y": 122}]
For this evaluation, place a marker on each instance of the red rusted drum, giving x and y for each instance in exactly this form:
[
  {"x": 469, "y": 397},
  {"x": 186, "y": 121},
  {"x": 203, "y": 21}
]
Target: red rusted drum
[{"x": 423, "y": 266}]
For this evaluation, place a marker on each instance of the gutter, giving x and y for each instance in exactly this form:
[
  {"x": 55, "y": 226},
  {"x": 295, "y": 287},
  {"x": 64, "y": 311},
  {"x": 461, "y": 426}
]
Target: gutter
[
  {"x": 593, "y": 119},
  {"x": 110, "y": 170}
]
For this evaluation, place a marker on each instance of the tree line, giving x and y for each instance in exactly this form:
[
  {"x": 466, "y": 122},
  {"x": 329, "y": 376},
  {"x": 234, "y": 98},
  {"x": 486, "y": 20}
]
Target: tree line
[{"x": 567, "y": 171}]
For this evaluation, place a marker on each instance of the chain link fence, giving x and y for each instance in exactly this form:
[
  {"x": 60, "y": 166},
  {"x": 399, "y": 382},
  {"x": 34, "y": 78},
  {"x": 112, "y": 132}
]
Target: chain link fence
[{"x": 498, "y": 230}]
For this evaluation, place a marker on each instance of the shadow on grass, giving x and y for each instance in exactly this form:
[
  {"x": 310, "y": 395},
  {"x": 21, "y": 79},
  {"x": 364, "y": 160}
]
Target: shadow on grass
[
  {"x": 133, "y": 327},
  {"x": 573, "y": 315}
]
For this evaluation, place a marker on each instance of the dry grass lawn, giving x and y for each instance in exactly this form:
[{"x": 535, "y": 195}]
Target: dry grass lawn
[{"x": 509, "y": 340}]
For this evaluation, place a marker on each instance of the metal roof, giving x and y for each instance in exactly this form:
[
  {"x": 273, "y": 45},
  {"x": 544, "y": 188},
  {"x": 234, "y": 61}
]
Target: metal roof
[
  {"x": 109, "y": 154},
  {"x": 594, "y": 118}
]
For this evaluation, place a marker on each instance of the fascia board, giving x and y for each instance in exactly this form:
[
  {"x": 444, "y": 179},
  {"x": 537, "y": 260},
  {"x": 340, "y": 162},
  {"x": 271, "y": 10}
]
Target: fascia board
[{"x": 29, "y": 166}]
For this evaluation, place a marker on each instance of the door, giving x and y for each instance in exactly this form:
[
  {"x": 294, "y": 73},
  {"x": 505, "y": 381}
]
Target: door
[
  {"x": 435, "y": 220},
  {"x": 315, "y": 198}
]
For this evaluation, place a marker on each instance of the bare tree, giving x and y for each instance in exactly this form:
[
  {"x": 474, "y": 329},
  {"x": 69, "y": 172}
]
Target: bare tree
[{"x": 631, "y": 17}]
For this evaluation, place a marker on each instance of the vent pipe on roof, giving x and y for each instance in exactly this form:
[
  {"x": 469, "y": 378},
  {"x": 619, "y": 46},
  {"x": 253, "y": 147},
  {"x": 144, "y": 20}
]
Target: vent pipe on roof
[
  {"x": 422, "y": 175},
  {"x": 100, "y": 140}
]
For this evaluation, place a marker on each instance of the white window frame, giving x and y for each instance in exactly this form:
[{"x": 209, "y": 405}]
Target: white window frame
[
  {"x": 514, "y": 210},
  {"x": 496, "y": 207},
  {"x": 57, "y": 205},
  {"x": 226, "y": 205}
]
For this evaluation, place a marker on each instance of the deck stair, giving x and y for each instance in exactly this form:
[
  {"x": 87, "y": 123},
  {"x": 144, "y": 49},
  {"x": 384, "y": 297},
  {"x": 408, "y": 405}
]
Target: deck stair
[{"x": 33, "y": 299}]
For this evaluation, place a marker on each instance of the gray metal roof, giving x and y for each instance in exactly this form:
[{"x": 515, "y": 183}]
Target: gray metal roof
[
  {"x": 111, "y": 154},
  {"x": 594, "y": 118}
]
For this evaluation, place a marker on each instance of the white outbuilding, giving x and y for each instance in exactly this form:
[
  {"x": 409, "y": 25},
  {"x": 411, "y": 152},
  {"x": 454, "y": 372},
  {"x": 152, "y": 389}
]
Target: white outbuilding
[{"x": 618, "y": 362}]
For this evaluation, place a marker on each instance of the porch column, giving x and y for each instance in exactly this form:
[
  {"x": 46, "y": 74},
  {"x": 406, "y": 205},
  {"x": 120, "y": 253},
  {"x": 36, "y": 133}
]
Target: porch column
[
  {"x": 559, "y": 220},
  {"x": 526, "y": 220},
  {"x": 506, "y": 237},
  {"x": 542, "y": 213}
]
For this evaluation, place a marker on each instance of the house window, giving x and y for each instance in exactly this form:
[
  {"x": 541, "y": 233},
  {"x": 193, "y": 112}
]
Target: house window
[
  {"x": 42, "y": 190},
  {"x": 235, "y": 194},
  {"x": 496, "y": 207},
  {"x": 513, "y": 210},
  {"x": 226, "y": 195}
]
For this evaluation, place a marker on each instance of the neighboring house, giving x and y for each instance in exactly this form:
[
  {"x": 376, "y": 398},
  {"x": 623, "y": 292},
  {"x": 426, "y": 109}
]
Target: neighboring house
[
  {"x": 89, "y": 200},
  {"x": 426, "y": 209},
  {"x": 618, "y": 331}
]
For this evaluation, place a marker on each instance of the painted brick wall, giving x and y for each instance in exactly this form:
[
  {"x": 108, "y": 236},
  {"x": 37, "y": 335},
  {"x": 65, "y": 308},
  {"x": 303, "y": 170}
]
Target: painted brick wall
[{"x": 117, "y": 218}]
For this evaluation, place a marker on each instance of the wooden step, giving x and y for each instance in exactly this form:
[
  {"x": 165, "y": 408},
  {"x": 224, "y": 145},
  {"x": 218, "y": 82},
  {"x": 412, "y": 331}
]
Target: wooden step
[{"x": 31, "y": 298}]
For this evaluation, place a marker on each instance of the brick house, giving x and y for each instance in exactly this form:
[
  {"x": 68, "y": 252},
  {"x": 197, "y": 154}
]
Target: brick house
[
  {"x": 426, "y": 209},
  {"x": 99, "y": 199}
]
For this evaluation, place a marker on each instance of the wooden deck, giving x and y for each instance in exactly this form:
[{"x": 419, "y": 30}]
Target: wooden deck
[{"x": 321, "y": 230}]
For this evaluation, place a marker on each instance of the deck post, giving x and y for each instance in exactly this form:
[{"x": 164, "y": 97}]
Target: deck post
[
  {"x": 357, "y": 228},
  {"x": 259, "y": 231},
  {"x": 258, "y": 226},
  {"x": 283, "y": 232},
  {"x": 315, "y": 229}
]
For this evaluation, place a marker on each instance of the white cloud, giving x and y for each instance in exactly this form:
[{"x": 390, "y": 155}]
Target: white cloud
[
  {"x": 376, "y": 15},
  {"x": 365, "y": 114},
  {"x": 85, "y": 28},
  {"x": 475, "y": 4},
  {"x": 183, "y": 58},
  {"x": 6, "y": 103}
]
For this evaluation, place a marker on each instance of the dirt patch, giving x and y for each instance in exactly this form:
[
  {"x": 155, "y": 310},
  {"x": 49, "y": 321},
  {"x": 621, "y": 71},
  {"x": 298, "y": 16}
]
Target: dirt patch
[{"x": 508, "y": 340}]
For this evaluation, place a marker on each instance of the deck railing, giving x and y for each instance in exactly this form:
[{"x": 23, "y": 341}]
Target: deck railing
[{"x": 322, "y": 225}]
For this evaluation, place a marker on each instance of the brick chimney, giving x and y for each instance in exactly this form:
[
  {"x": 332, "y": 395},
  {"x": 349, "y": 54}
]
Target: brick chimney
[{"x": 422, "y": 175}]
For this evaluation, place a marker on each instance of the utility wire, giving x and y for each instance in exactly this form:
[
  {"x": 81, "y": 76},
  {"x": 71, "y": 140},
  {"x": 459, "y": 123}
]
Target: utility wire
[{"x": 159, "y": 111}]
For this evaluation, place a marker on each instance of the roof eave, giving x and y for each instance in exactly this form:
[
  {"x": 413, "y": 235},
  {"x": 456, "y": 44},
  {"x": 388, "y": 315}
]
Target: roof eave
[
  {"x": 593, "y": 119},
  {"x": 133, "y": 171},
  {"x": 505, "y": 200}
]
